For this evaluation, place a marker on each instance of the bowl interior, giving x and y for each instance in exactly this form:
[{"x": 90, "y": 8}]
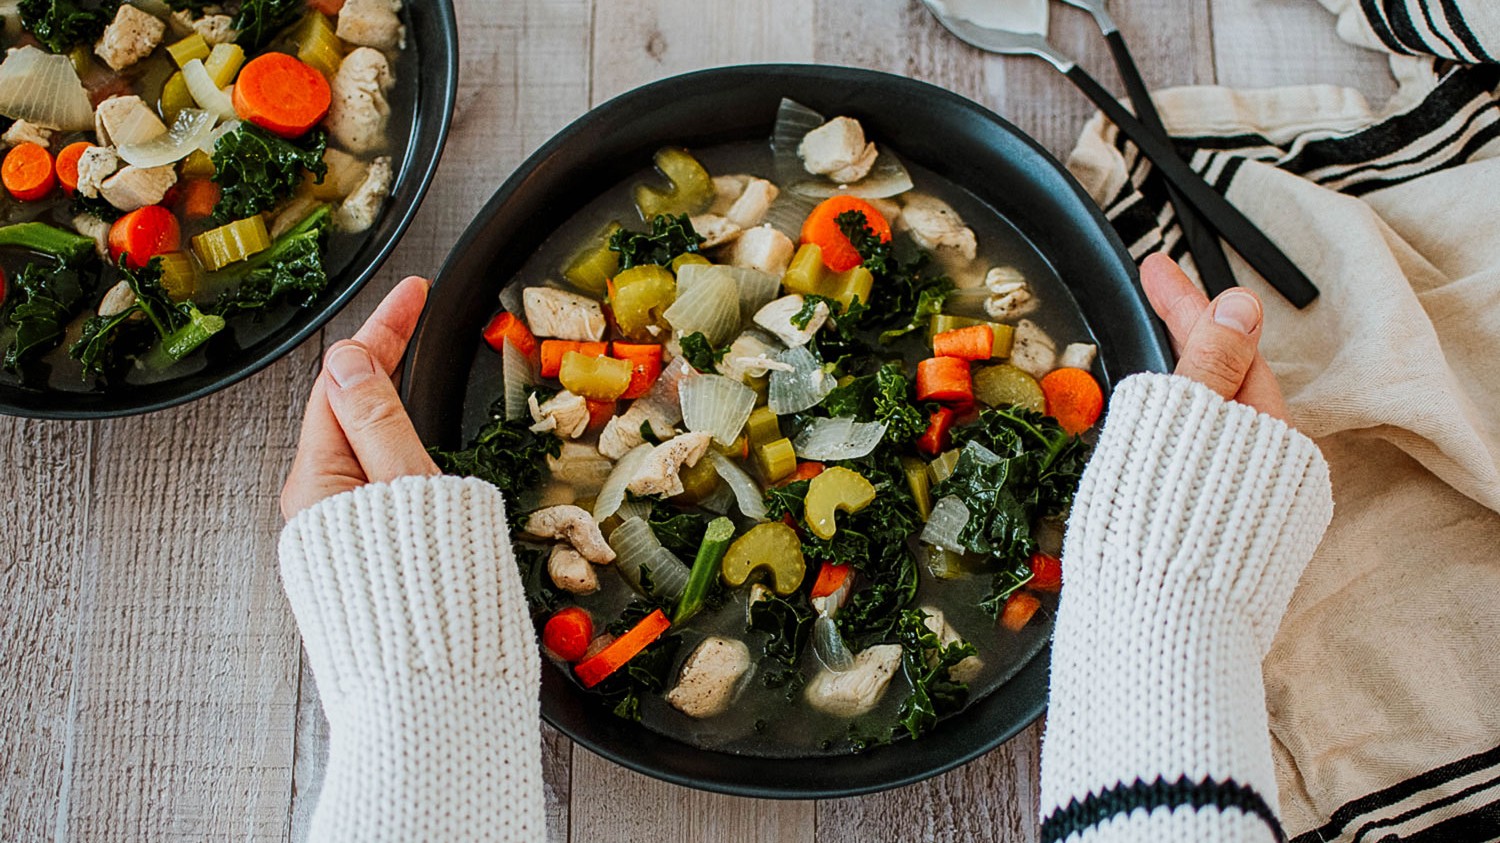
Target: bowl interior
[{"x": 952, "y": 136}]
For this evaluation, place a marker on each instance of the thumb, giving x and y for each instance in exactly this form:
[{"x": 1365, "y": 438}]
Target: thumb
[
  {"x": 1222, "y": 344},
  {"x": 367, "y": 408}
]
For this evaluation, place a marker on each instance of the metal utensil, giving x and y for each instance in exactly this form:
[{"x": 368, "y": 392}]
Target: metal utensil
[{"x": 1252, "y": 243}]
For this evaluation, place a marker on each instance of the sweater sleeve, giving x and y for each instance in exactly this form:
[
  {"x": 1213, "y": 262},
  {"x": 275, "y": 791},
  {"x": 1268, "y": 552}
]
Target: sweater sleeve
[
  {"x": 416, "y": 627},
  {"x": 1191, "y": 526}
]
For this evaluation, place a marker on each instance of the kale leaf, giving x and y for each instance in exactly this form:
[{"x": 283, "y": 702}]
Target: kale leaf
[
  {"x": 255, "y": 169},
  {"x": 787, "y": 623},
  {"x": 678, "y": 531},
  {"x": 62, "y": 24},
  {"x": 885, "y": 396},
  {"x": 669, "y": 237},
  {"x": 42, "y": 301},
  {"x": 504, "y": 453},
  {"x": 292, "y": 268},
  {"x": 702, "y": 356},
  {"x": 905, "y": 295},
  {"x": 260, "y": 20},
  {"x": 180, "y": 326},
  {"x": 647, "y": 673},
  {"x": 928, "y": 663},
  {"x": 541, "y": 595},
  {"x": 809, "y": 309}
]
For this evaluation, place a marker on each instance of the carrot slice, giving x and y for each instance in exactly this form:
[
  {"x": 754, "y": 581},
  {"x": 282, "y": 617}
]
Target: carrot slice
[
  {"x": 821, "y": 228},
  {"x": 281, "y": 94},
  {"x": 597, "y": 668},
  {"x": 199, "y": 197},
  {"x": 600, "y": 412},
  {"x": 645, "y": 366},
  {"x": 944, "y": 379},
  {"x": 804, "y": 471},
  {"x": 831, "y": 578},
  {"x": 1018, "y": 611},
  {"x": 553, "y": 351},
  {"x": 27, "y": 172},
  {"x": 935, "y": 439},
  {"x": 327, "y": 7},
  {"x": 1073, "y": 398},
  {"x": 508, "y": 326},
  {"x": 1046, "y": 572},
  {"x": 976, "y": 342},
  {"x": 143, "y": 234},
  {"x": 568, "y": 633},
  {"x": 67, "y": 164}
]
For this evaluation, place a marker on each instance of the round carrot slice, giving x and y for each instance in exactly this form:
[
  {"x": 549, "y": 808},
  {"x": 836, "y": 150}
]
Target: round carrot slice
[
  {"x": 143, "y": 234},
  {"x": 282, "y": 95},
  {"x": 27, "y": 172},
  {"x": 1073, "y": 398},
  {"x": 821, "y": 228},
  {"x": 67, "y": 164}
]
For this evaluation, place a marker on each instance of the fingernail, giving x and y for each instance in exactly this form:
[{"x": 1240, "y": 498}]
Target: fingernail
[
  {"x": 349, "y": 364},
  {"x": 1238, "y": 310}
]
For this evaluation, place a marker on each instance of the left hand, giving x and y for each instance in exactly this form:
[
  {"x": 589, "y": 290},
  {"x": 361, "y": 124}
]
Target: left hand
[{"x": 355, "y": 430}]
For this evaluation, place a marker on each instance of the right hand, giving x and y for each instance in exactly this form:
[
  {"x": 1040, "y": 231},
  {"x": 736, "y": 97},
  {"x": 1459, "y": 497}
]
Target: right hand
[{"x": 1217, "y": 342}]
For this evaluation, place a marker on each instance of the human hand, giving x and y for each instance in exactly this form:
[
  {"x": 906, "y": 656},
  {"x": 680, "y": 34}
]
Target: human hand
[
  {"x": 1217, "y": 342},
  {"x": 355, "y": 430}
]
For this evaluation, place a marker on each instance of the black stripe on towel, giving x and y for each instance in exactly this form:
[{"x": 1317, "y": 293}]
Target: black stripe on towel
[
  {"x": 1401, "y": 26},
  {"x": 1460, "y": 28},
  {"x": 1432, "y": 27},
  {"x": 1378, "y": 26},
  {"x": 1122, "y": 798}
]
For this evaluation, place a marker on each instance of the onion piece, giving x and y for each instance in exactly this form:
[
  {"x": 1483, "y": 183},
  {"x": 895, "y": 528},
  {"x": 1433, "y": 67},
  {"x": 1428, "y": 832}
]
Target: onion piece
[
  {"x": 747, "y": 495},
  {"x": 188, "y": 132},
  {"x": 205, "y": 92},
  {"x": 662, "y": 403},
  {"x": 787, "y": 214},
  {"x": 707, "y": 303},
  {"x": 888, "y": 177},
  {"x": 612, "y": 493},
  {"x": 519, "y": 377},
  {"x": 510, "y": 299},
  {"x": 44, "y": 89},
  {"x": 838, "y": 439},
  {"x": 634, "y": 509},
  {"x": 793, "y": 121},
  {"x": 757, "y": 289},
  {"x": 719, "y": 500},
  {"x": 636, "y": 549},
  {"x": 803, "y": 387},
  {"x": 828, "y": 645},
  {"x": 948, "y": 518},
  {"x": 716, "y": 405}
]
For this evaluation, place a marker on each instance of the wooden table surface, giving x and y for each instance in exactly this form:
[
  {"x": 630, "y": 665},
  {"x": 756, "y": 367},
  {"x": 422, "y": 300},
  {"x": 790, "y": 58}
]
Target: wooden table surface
[{"x": 154, "y": 686}]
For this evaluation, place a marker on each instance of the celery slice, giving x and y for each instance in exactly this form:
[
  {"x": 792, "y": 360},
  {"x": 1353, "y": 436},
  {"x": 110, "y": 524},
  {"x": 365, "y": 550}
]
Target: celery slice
[{"x": 219, "y": 247}]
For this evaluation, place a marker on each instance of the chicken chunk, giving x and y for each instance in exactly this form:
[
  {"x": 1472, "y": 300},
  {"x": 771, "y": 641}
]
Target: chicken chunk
[
  {"x": 776, "y": 317},
  {"x": 359, "y": 109},
  {"x": 857, "y": 690},
  {"x": 716, "y": 230},
  {"x": 23, "y": 132},
  {"x": 1032, "y": 350},
  {"x": 372, "y": 23},
  {"x": 215, "y": 29},
  {"x": 659, "y": 475},
  {"x": 136, "y": 187},
  {"x": 575, "y": 526},
  {"x": 91, "y": 226},
  {"x": 727, "y": 189},
  {"x": 359, "y": 211},
  {"x": 119, "y": 299},
  {"x": 935, "y": 225},
  {"x": 564, "y": 315},
  {"x": 570, "y": 571},
  {"x": 964, "y": 671},
  {"x": 565, "y": 414},
  {"x": 837, "y": 149},
  {"x": 130, "y": 37},
  {"x": 96, "y": 165},
  {"x": 1078, "y": 355},
  {"x": 749, "y": 210},
  {"x": 749, "y": 356},
  {"x": 1009, "y": 296},
  {"x": 345, "y": 172},
  {"x": 580, "y": 466},
  {"x": 622, "y": 433},
  {"x": 763, "y": 248},
  {"x": 126, "y": 115},
  {"x": 710, "y": 676}
]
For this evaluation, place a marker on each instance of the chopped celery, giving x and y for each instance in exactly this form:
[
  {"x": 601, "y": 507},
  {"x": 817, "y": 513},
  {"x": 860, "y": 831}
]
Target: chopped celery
[
  {"x": 223, "y": 63},
  {"x": 198, "y": 165},
  {"x": 317, "y": 45},
  {"x": 773, "y": 547},
  {"x": 640, "y": 299},
  {"x": 179, "y": 275},
  {"x": 699, "y": 480},
  {"x": 219, "y": 247},
  {"x": 599, "y": 378},
  {"x": 838, "y": 488},
  {"x": 692, "y": 189},
  {"x": 189, "y": 48},
  {"x": 916, "y": 478},
  {"x": 175, "y": 96},
  {"x": 807, "y": 275},
  {"x": 763, "y": 427},
  {"x": 83, "y": 60},
  {"x": 591, "y": 269},
  {"x": 776, "y": 459},
  {"x": 689, "y": 258},
  {"x": 1007, "y": 386},
  {"x": 845, "y": 287},
  {"x": 805, "y": 271}
]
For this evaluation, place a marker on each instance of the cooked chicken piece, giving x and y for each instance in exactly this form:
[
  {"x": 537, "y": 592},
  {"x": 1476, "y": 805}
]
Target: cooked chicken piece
[
  {"x": 91, "y": 226},
  {"x": 749, "y": 210},
  {"x": 710, "y": 676},
  {"x": 658, "y": 476},
  {"x": 855, "y": 691},
  {"x": 372, "y": 23},
  {"x": 837, "y": 149},
  {"x": 831, "y": 604},
  {"x": 935, "y": 225},
  {"x": 749, "y": 356},
  {"x": 130, "y": 37},
  {"x": 776, "y": 317},
  {"x": 119, "y": 299},
  {"x": 95, "y": 165},
  {"x": 580, "y": 466},
  {"x": 1009, "y": 296},
  {"x": 601, "y": 641},
  {"x": 574, "y": 526},
  {"x": 570, "y": 571},
  {"x": 23, "y": 132},
  {"x": 716, "y": 230},
  {"x": 557, "y": 494},
  {"x": 215, "y": 29},
  {"x": 890, "y": 209},
  {"x": 345, "y": 172},
  {"x": 564, "y": 315},
  {"x": 136, "y": 187},
  {"x": 1078, "y": 355},
  {"x": 1032, "y": 350},
  {"x": 358, "y": 212},
  {"x": 622, "y": 433},
  {"x": 964, "y": 671},
  {"x": 359, "y": 110},
  {"x": 726, "y": 190},
  {"x": 763, "y": 248},
  {"x": 116, "y": 113},
  {"x": 565, "y": 414}
]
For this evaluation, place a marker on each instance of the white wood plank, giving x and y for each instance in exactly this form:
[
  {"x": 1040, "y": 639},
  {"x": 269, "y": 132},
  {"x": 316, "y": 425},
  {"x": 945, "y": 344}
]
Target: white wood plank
[{"x": 1265, "y": 43}]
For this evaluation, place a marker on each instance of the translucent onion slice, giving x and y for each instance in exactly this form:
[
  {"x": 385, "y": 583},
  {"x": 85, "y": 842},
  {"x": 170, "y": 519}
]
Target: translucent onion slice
[
  {"x": 186, "y": 134},
  {"x": 788, "y": 212},
  {"x": 708, "y": 303},
  {"x": 757, "y": 288},
  {"x": 747, "y": 494},
  {"x": 716, "y": 405},
  {"x": 44, "y": 89},
  {"x": 519, "y": 377},
  {"x": 510, "y": 299},
  {"x": 612, "y": 493},
  {"x": 838, "y": 439},
  {"x": 205, "y": 92},
  {"x": 803, "y": 387},
  {"x": 637, "y": 549},
  {"x": 634, "y": 509},
  {"x": 888, "y": 177},
  {"x": 719, "y": 500},
  {"x": 949, "y": 515},
  {"x": 213, "y": 137},
  {"x": 662, "y": 402},
  {"x": 793, "y": 121},
  {"x": 828, "y": 645}
]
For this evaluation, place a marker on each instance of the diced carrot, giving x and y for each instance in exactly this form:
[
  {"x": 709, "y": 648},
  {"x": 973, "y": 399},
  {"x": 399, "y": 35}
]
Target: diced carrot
[
  {"x": 944, "y": 379},
  {"x": 67, "y": 164},
  {"x": 508, "y": 326},
  {"x": 645, "y": 365},
  {"x": 143, "y": 234},
  {"x": 600, "y": 412},
  {"x": 553, "y": 351},
  {"x": 27, "y": 172},
  {"x": 1018, "y": 611},
  {"x": 327, "y": 7},
  {"x": 597, "y": 668},
  {"x": 1046, "y": 572},
  {"x": 935, "y": 439},
  {"x": 821, "y": 228},
  {"x": 976, "y": 342},
  {"x": 804, "y": 471},
  {"x": 199, "y": 197},
  {"x": 281, "y": 94},
  {"x": 568, "y": 633},
  {"x": 831, "y": 578},
  {"x": 1073, "y": 398}
]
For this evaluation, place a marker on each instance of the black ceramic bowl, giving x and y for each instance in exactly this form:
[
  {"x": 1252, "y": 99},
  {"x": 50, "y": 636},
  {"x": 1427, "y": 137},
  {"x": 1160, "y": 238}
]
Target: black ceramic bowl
[
  {"x": 422, "y": 108},
  {"x": 943, "y": 132}
]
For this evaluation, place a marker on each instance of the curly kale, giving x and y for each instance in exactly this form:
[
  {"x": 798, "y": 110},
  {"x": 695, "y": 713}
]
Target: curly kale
[
  {"x": 292, "y": 269},
  {"x": 885, "y": 396},
  {"x": 905, "y": 295},
  {"x": 928, "y": 665},
  {"x": 259, "y": 21},
  {"x": 255, "y": 169},
  {"x": 63, "y": 24},
  {"x": 787, "y": 623},
  {"x": 505, "y": 453},
  {"x": 702, "y": 356},
  {"x": 43, "y": 299},
  {"x": 669, "y": 237},
  {"x": 180, "y": 327}
]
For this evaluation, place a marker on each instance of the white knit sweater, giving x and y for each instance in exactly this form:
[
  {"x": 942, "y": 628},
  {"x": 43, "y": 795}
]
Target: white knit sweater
[{"x": 1192, "y": 524}]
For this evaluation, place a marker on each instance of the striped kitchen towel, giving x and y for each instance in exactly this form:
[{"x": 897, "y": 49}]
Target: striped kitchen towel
[{"x": 1384, "y": 682}]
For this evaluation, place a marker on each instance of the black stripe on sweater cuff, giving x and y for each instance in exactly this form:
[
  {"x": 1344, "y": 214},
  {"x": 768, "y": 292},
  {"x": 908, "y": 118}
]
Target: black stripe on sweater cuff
[{"x": 1123, "y": 798}]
